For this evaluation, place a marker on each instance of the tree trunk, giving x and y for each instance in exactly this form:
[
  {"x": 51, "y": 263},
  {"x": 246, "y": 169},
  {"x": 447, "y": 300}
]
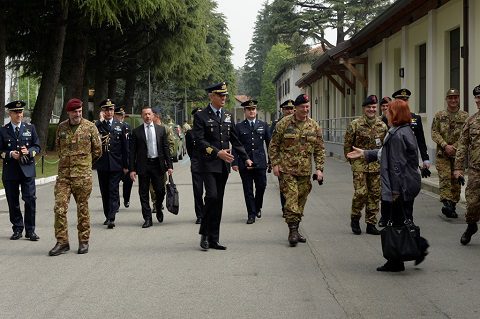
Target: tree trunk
[
  {"x": 51, "y": 74},
  {"x": 76, "y": 73},
  {"x": 112, "y": 89},
  {"x": 3, "y": 57},
  {"x": 100, "y": 78},
  {"x": 130, "y": 82},
  {"x": 340, "y": 26}
]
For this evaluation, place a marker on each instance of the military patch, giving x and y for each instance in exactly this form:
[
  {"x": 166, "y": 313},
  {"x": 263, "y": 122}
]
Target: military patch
[
  {"x": 209, "y": 150},
  {"x": 228, "y": 118},
  {"x": 27, "y": 133},
  {"x": 3, "y": 154},
  {"x": 34, "y": 153}
]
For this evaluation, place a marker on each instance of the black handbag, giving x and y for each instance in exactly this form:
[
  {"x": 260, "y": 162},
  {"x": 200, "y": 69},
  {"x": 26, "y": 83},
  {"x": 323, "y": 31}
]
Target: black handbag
[
  {"x": 401, "y": 242},
  {"x": 172, "y": 201}
]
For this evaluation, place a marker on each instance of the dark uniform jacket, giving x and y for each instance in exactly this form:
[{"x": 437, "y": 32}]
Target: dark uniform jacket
[
  {"x": 193, "y": 152},
  {"x": 254, "y": 141},
  {"x": 212, "y": 135},
  {"x": 114, "y": 147},
  {"x": 139, "y": 149},
  {"x": 13, "y": 169}
]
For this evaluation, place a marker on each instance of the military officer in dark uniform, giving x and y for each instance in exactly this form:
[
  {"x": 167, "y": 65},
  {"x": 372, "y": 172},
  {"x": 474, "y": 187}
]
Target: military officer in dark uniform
[
  {"x": 214, "y": 131},
  {"x": 197, "y": 180},
  {"x": 18, "y": 145},
  {"x": 254, "y": 135},
  {"x": 126, "y": 180},
  {"x": 113, "y": 164}
]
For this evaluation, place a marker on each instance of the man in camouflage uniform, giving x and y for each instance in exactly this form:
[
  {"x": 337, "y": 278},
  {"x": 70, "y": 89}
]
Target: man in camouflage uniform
[
  {"x": 366, "y": 132},
  {"x": 297, "y": 137},
  {"x": 446, "y": 129},
  {"x": 78, "y": 145},
  {"x": 468, "y": 146}
]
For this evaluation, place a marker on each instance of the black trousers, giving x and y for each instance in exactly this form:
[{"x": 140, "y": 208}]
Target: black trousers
[
  {"x": 253, "y": 200},
  {"x": 152, "y": 175},
  {"x": 27, "y": 186},
  {"x": 214, "y": 191},
  {"x": 127, "y": 187},
  {"x": 109, "y": 184},
  {"x": 197, "y": 184}
]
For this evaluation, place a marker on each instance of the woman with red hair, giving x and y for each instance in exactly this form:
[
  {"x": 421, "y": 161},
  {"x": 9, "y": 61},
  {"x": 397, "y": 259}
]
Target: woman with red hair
[{"x": 399, "y": 172}]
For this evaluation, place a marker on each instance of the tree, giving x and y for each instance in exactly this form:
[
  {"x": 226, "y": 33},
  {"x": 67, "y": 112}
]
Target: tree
[{"x": 278, "y": 55}]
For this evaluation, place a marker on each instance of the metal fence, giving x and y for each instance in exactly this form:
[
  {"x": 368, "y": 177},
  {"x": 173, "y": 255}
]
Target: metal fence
[{"x": 334, "y": 129}]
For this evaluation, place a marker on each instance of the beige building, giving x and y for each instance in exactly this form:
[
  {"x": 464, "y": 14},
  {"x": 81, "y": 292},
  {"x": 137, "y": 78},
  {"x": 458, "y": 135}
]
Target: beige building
[{"x": 426, "y": 46}]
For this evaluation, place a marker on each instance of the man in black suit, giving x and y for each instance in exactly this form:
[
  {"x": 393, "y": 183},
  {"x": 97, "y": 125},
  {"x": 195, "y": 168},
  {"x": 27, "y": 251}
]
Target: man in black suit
[
  {"x": 18, "y": 145},
  {"x": 126, "y": 180},
  {"x": 197, "y": 180},
  {"x": 254, "y": 135},
  {"x": 113, "y": 163},
  {"x": 214, "y": 131},
  {"x": 149, "y": 159}
]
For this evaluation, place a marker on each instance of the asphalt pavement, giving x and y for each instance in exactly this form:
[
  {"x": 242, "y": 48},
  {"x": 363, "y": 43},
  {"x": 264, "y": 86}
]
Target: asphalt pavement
[{"x": 160, "y": 272}]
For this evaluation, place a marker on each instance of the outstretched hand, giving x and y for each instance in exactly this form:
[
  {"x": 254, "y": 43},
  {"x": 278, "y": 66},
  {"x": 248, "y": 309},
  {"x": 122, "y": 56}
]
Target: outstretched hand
[{"x": 356, "y": 153}]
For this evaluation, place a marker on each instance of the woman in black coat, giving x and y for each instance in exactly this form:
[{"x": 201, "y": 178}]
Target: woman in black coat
[{"x": 399, "y": 173}]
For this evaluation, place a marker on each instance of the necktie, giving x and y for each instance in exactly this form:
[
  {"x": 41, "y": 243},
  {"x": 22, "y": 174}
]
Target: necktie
[
  {"x": 252, "y": 124},
  {"x": 17, "y": 131},
  {"x": 150, "y": 145},
  {"x": 218, "y": 114}
]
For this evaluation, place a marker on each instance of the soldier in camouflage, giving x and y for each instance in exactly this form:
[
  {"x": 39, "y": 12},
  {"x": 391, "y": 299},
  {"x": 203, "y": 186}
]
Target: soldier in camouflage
[
  {"x": 78, "y": 145},
  {"x": 297, "y": 137},
  {"x": 468, "y": 146},
  {"x": 446, "y": 129},
  {"x": 366, "y": 132}
]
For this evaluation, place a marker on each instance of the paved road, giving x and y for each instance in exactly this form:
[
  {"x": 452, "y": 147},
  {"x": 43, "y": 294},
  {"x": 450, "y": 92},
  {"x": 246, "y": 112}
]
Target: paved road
[{"x": 160, "y": 272}]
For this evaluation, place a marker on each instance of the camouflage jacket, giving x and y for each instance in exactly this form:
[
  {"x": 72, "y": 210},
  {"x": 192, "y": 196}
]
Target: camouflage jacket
[
  {"x": 446, "y": 129},
  {"x": 293, "y": 145},
  {"x": 77, "y": 150},
  {"x": 469, "y": 144},
  {"x": 365, "y": 136}
]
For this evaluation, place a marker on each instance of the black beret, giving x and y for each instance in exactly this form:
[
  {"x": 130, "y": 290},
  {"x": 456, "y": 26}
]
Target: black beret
[
  {"x": 107, "y": 104},
  {"x": 220, "y": 88},
  {"x": 402, "y": 94},
  {"x": 287, "y": 103},
  {"x": 385, "y": 100},
  {"x": 249, "y": 103},
  {"x": 15, "y": 106},
  {"x": 195, "y": 110},
  {"x": 301, "y": 99},
  {"x": 371, "y": 99},
  {"x": 476, "y": 90}
]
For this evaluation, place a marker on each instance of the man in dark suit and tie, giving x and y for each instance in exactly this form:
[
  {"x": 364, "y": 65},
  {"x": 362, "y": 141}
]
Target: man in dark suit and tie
[
  {"x": 113, "y": 163},
  {"x": 149, "y": 159},
  {"x": 254, "y": 134},
  {"x": 214, "y": 131},
  {"x": 19, "y": 144}
]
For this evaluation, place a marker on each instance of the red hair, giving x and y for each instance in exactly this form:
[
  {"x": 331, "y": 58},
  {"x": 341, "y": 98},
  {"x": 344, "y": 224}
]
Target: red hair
[{"x": 399, "y": 113}]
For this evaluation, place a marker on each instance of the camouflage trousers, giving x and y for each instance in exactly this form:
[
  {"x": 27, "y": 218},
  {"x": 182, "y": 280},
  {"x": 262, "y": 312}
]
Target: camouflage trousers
[
  {"x": 449, "y": 188},
  {"x": 366, "y": 194},
  {"x": 296, "y": 190},
  {"x": 472, "y": 195},
  {"x": 80, "y": 188},
  {"x": 153, "y": 195}
]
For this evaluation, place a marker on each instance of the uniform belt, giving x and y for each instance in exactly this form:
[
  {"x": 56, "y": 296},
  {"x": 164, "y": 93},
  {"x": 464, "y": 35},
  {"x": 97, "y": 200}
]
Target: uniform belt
[{"x": 153, "y": 159}]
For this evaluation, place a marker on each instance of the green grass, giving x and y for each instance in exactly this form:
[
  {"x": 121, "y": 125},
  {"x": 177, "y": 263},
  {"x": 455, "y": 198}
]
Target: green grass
[{"x": 50, "y": 166}]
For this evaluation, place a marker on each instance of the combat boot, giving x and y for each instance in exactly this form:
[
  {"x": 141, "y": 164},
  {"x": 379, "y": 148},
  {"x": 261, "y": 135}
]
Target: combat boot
[
  {"x": 467, "y": 235},
  {"x": 301, "y": 238},
  {"x": 372, "y": 230},
  {"x": 59, "y": 249},
  {"x": 454, "y": 209},
  {"x": 355, "y": 224},
  {"x": 293, "y": 234},
  {"x": 448, "y": 210}
]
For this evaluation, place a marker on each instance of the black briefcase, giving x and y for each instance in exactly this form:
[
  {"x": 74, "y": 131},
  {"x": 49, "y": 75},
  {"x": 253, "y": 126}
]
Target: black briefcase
[{"x": 172, "y": 196}]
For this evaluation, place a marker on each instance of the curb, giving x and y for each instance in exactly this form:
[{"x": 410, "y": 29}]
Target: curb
[{"x": 38, "y": 181}]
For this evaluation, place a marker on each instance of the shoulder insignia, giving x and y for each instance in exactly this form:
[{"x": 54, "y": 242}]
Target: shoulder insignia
[
  {"x": 3, "y": 154},
  {"x": 209, "y": 150}
]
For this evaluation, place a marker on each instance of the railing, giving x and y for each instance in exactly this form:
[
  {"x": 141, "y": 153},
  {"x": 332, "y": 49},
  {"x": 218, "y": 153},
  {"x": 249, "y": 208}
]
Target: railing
[{"x": 334, "y": 129}]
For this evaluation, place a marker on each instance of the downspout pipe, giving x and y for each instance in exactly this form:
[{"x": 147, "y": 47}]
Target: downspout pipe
[{"x": 466, "y": 86}]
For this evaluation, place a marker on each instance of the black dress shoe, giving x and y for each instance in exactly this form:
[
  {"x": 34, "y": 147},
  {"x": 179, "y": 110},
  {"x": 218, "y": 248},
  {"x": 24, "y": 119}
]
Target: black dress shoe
[
  {"x": 160, "y": 216},
  {"x": 259, "y": 214},
  {"x": 250, "y": 220},
  {"x": 32, "y": 236},
  {"x": 126, "y": 204},
  {"x": 105, "y": 222},
  {"x": 204, "y": 242},
  {"x": 382, "y": 223},
  {"x": 59, "y": 249},
  {"x": 217, "y": 246},
  {"x": 147, "y": 223},
  {"x": 16, "y": 235},
  {"x": 372, "y": 230},
  {"x": 110, "y": 224},
  {"x": 198, "y": 221},
  {"x": 392, "y": 267},
  {"x": 82, "y": 248}
]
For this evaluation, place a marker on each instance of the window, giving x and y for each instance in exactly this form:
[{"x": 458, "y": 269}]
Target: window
[
  {"x": 422, "y": 78},
  {"x": 455, "y": 58}
]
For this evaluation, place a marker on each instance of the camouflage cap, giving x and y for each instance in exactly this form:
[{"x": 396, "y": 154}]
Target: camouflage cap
[{"x": 452, "y": 92}]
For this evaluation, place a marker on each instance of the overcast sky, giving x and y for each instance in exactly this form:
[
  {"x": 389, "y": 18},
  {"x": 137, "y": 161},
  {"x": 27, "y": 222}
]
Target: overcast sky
[{"x": 241, "y": 16}]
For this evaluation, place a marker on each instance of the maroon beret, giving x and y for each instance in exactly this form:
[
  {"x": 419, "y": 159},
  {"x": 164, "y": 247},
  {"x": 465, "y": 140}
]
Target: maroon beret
[
  {"x": 301, "y": 99},
  {"x": 74, "y": 104}
]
